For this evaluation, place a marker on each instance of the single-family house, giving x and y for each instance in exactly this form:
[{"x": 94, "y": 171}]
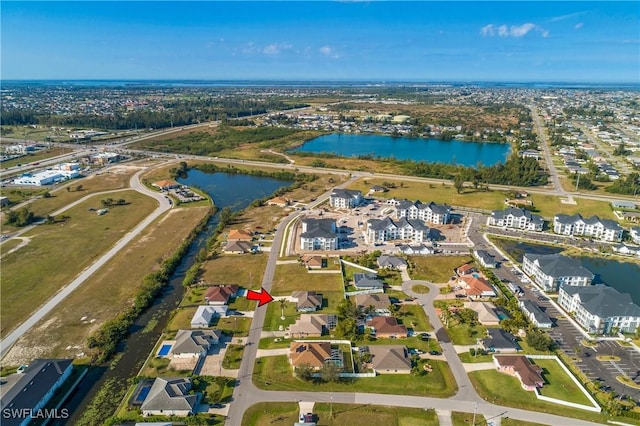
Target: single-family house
[
  {"x": 313, "y": 262},
  {"x": 279, "y": 201},
  {"x": 390, "y": 359},
  {"x": 391, "y": 262},
  {"x": 33, "y": 390},
  {"x": 221, "y": 294},
  {"x": 378, "y": 188},
  {"x": 499, "y": 341},
  {"x": 551, "y": 271},
  {"x": 386, "y": 326},
  {"x": 194, "y": 343},
  {"x": 635, "y": 234},
  {"x": 535, "y": 315},
  {"x": 466, "y": 269},
  {"x": 600, "y": 309},
  {"x": 485, "y": 258},
  {"x": 363, "y": 281},
  {"x": 345, "y": 198},
  {"x": 476, "y": 286},
  {"x": 626, "y": 250},
  {"x": 312, "y": 325},
  {"x": 307, "y": 301},
  {"x": 318, "y": 234},
  {"x": 312, "y": 354},
  {"x": 170, "y": 397},
  {"x": 517, "y": 218},
  {"x": 530, "y": 375},
  {"x": 166, "y": 184},
  {"x": 205, "y": 315},
  {"x": 486, "y": 311},
  {"x": 378, "y": 303},
  {"x": 238, "y": 247},
  {"x": 239, "y": 235}
]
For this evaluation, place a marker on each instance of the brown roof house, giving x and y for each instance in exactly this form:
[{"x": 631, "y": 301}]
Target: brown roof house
[
  {"x": 307, "y": 301},
  {"x": 313, "y": 354},
  {"x": 278, "y": 201},
  {"x": 390, "y": 359},
  {"x": 386, "y": 327},
  {"x": 379, "y": 302},
  {"x": 311, "y": 261},
  {"x": 530, "y": 375},
  {"x": 239, "y": 235},
  {"x": 476, "y": 286},
  {"x": 166, "y": 184},
  {"x": 312, "y": 325},
  {"x": 220, "y": 295},
  {"x": 466, "y": 269}
]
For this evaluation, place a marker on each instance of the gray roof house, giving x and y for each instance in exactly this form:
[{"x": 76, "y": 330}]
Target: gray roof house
[
  {"x": 380, "y": 302},
  {"x": 34, "y": 389},
  {"x": 307, "y": 301},
  {"x": 535, "y": 314},
  {"x": 514, "y": 217},
  {"x": 194, "y": 343},
  {"x": 499, "y": 341},
  {"x": 550, "y": 271},
  {"x": 600, "y": 308},
  {"x": 205, "y": 314},
  {"x": 170, "y": 397},
  {"x": 485, "y": 258},
  {"x": 390, "y": 359},
  {"x": 366, "y": 281},
  {"x": 391, "y": 262}
]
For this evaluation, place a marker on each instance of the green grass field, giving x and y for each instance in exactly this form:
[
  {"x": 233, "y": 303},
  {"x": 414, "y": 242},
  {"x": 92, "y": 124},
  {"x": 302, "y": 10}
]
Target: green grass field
[
  {"x": 57, "y": 253},
  {"x": 275, "y": 373},
  {"x": 413, "y": 316},
  {"x": 245, "y": 270},
  {"x": 462, "y": 334},
  {"x": 367, "y": 415},
  {"x": 292, "y": 277},
  {"x": 271, "y": 413},
  {"x": 548, "y": 206},
  {"x": 233, "y": 357},
  {"x": 558, "y": 384},
  {"x": 435, "y": 269}
]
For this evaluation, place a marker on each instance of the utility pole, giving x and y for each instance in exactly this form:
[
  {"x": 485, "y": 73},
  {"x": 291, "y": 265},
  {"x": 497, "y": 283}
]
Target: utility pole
[{"x": 475, "y": 408}]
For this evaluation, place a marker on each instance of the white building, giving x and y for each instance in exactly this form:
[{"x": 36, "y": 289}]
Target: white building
[
  {"x": 61, "y": 173},
  {"x": 602, "y": 229},
  {"x": 383, "y": 230},
  {"x": 535, "y": 314},
  {"x": 205, "y": 314},
  {"x": 514, "y": 217},
  {"x": 551, "y": 271},
  {"x": 318, "y": 234},
  {"x": 635, "y": 234},
  {"x": 345, "y": 198},
  {"x": 600, "y": 308},
  {"x": 438, "y": 214}
]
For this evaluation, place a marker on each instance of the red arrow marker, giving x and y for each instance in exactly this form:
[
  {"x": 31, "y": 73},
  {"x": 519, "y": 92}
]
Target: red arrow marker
[{"x": 262, "y": 296}]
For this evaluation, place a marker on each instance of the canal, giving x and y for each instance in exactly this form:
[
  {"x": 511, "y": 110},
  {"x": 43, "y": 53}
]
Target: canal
[{"x": 235, "y": 191}]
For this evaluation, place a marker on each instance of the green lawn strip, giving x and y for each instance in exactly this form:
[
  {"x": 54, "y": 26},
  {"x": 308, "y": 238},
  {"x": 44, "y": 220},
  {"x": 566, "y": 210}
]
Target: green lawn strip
[
  {"x": 85, "y": 236},
  {"x": 409, "y": 342},
  {"x": 413, "y": 316},
  {"x": 181, "y": 318},
  {"x": 467, "y": 357},
  {"x": 502, "y": 389},
  {"x": 435, "y": 269},
  {"x": 273, "y": 319},
  {"x": 367, "y": 415},
  {"x": 420, "y": 289},
  {"x": 34, "y": 157},
  {"x": 233, "y": 357},
  {"x": 438, "y": 193},
  {"x": 270, "y": 343},
  {"x": 194, "y": 296},
  {"x": 271, "y": 413},
  {"x": 277, "y": 372},
  {"x": 558, "y": 384},
  {"x": 461, "y": 419},
  {"x": 462, "y": 334},
  {"x": 507, "y": 421},
  {"x": 242, "y": 304},
  {"x": 8, "y": 245},
  {"x": 400, "y": 295},
  {"x": 292, "y": 277}
]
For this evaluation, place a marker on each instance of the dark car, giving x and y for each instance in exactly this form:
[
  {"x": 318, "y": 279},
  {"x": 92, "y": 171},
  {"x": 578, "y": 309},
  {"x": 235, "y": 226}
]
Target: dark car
[
  {"x": 434, "y": 352},
  {"x": 217, "y": 405}
]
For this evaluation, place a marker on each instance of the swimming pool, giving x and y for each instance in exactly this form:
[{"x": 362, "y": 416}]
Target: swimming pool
[{"x": 164, "y": 350}]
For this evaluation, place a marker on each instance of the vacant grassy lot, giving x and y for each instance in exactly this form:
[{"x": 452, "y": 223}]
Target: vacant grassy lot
[
  {"x": 558, "y": 384},
  {"x": 410, "y": 342},
  {"x": 271, "y": 413},
  {"x": 437, "y": 269},
  {"x": 413, "y": 316},
  {"x": 276, "y": 371},
  {"x": 462, "y": 334},
  {"x": 439, "y": 193},
  {"x": 367, "y": 415},
  {"x": 232, "y": 357},
  {"x": 548, "y": 206},
  {"x": 109, "y": 291},
  {"x": 273, "y": 319},
  {"x": 463, "y": 419},
  {"x": 181, "y": 318},
  {"x": 293, "y": 277},
  {"x": 503, "y": 389},
  {"x": 245, "y": 270},
  {"x": 57, "y": 253}
]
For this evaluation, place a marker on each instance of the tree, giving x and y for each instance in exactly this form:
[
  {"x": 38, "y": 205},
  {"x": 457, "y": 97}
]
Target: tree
[
  {"x": 283, "y": 304},
  {"x": 330, "y": 372},
  {"x": 78, "y": 187},
  {"x": 305, "y": 372},
  {"x": 347, "y": 309},
  {"x": 539, "y": 341},
  {"x": 46, "y": 195},
  {"x": 458, "y": 183}
]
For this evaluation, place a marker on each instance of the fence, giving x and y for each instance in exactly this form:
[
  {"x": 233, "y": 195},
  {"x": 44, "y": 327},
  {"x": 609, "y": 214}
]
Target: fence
[
  {"x": 369, "y": 291},
  {"x": 355, "y": 265}
]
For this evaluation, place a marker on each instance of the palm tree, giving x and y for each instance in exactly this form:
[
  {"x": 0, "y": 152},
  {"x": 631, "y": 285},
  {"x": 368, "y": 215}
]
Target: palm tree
[{"x": 283, "y": 304}]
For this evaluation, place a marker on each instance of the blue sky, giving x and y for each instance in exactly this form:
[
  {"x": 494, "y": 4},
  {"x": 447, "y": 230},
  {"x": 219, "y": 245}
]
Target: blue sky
[{"x": 417, "y": 41}]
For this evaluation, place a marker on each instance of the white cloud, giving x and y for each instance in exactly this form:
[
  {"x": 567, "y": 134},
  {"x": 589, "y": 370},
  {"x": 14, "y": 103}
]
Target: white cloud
[
  {"x": 563, "y": 17},
  {"x": 329, "y": 51},
  {"x": 512, "y": 31},
  {"x": 578, "y": 25},
  {"x": 275, "y": 48}
]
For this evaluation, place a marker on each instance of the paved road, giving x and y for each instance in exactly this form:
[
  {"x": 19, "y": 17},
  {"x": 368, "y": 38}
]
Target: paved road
[
  {"x": 44, "y": 310},
  {"x": 544, "y": 144}
]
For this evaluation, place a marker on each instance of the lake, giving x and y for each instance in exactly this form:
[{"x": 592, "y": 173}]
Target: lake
[
  {"x": 416, "y": 149},
  {"x": 623, "y": 276}
]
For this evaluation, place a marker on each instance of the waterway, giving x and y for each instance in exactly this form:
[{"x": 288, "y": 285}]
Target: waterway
[
  {"x": 235, "y": 191},
  {"x": 623, "y": 276},
  {"x": 417, "y": 149}
]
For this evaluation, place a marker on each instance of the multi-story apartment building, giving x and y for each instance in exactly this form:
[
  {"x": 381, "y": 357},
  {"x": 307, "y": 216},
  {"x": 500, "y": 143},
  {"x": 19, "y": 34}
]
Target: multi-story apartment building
[
  {"x": 514, "y": 217},
  {"x": 551, "y": 271},
  {"x": 345, "y": 198},
  {"x": 602, "y": 229},
  {"x": 318, "y": 234},
  {"x": 600, "y": 308},
  {"x": 438, "y": 214},
  {"x": 383, "y": 230}
]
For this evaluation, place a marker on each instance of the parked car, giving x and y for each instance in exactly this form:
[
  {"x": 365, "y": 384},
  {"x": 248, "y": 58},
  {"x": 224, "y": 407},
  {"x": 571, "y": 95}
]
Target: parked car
[{"x": 434, "y": 352}]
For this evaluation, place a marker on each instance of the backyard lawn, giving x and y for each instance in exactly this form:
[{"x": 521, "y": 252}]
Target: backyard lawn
[
  {"x": 558, "y": 384},
  {"x": 437, "y": 269},
  {"x": 275, "y": 373}
]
